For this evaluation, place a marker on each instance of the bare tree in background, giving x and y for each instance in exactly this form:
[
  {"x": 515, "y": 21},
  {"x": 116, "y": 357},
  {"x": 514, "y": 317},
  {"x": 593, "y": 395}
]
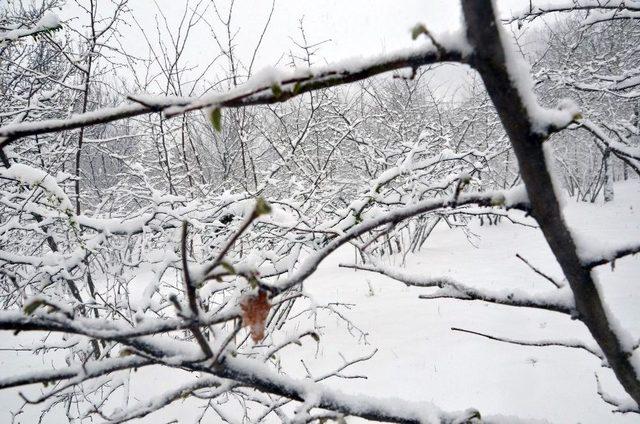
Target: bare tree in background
[{"x": 221, "y": 268}]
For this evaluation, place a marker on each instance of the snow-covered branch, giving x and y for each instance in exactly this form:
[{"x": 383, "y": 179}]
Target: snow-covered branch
[
  {"x": 259, "y": 90},
  {"x": 610, "y": 257},
  {"x": 48, "y": 22},
  {"x": 557, "y": 301},
  {"x": 507, "y": 199},
  {"x": 603, "y": 10}
]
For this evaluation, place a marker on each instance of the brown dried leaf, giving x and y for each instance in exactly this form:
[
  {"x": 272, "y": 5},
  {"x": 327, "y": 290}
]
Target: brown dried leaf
[{"x": 255, "y": 310}]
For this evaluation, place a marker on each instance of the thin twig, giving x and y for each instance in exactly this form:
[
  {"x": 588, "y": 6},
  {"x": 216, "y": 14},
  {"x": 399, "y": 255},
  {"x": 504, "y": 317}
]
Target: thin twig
[{"x": 540, "y": 273}]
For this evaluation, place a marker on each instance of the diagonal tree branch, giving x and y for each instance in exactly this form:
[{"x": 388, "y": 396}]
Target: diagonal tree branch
[
  {"x": 537, "y": 271},
  {"x": 302, "y": 82},
  {"x": 516, "y": 109}
]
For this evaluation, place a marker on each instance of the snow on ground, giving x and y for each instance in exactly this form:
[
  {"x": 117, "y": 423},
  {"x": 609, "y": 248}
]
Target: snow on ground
[{"x": 419, "y": 358}]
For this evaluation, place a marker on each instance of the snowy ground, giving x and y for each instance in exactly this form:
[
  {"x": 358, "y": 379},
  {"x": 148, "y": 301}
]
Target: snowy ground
[{"x": 419, "y": 358}]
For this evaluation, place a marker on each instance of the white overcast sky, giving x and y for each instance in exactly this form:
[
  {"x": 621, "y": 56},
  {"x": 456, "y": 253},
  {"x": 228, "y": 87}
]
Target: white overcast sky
[{"x": 353, "y": 27}]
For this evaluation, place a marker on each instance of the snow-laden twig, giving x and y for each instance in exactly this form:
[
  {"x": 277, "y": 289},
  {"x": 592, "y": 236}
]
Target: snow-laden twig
[
  {"x": 389, "y": 410},
  {"x": 107, "y": 330},
  {"x": 192, "y": 296},
  {"x": 556, "y": 301},
  {"x": 539, "y": 8},
  {"x": 623, "y": 406},
  {"x": 182, "y": 392},
  {"x": 628, "y": 154},
  {"x": 611, "y": 256},
  {"x": 47, "y": 23}
]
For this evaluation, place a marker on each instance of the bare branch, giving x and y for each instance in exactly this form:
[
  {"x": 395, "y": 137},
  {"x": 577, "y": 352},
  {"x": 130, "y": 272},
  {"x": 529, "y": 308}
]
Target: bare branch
[
  {"x": 540, "y": 273},
  {"x": 541, "y": 343}
]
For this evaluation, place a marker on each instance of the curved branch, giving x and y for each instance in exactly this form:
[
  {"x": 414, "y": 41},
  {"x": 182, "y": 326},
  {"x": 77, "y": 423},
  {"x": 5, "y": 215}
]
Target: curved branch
[
  {"x": 311, "y": 263},
  {"x": 541, "y": 343},
  {"x": 556, "y": 301},
  {"x": 260, "y": 377},
  {"x": 47, "y": 23}
]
